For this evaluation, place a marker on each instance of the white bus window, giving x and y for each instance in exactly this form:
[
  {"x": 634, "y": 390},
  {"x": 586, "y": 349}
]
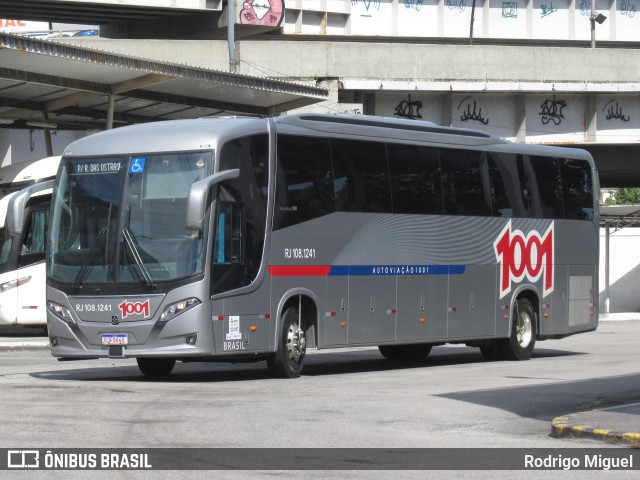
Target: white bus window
[
  {"x": 34, "y": 237},
  {"x": 5, "y": 245}
]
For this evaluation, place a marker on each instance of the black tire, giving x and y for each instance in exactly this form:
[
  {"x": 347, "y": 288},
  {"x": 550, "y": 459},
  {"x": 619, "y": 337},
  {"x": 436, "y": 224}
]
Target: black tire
[
  {"x": 405, "y": 353},
  {"x": 520, "y": 345},
  {"x": 156, "y": 367},
  {"x": 288, "y": 360}
]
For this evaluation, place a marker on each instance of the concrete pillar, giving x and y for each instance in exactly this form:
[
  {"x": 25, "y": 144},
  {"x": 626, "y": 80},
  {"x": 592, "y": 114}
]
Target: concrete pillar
[
  {"x": 521, "y": 118},
  {"x": 591, "y": 121}
]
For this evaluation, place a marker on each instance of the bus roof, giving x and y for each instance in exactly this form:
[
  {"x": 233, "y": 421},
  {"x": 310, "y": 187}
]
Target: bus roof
[
  {"x": 206, "y": 133},
  {"x": 194, "y": 134},
  {"x": 29, "y": 170}
]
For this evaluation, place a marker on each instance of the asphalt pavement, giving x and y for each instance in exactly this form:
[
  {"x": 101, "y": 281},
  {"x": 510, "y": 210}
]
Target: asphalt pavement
[{"x": 620, "y": 424}]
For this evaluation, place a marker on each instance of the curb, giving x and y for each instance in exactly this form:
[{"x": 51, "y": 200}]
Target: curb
[
  {"x": 22, "y": 345},
  {"x": 563, "y": 427}
]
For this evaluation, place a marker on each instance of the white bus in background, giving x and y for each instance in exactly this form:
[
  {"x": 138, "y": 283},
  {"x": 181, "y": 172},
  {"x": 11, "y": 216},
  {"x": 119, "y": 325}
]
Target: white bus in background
[{"x": 22, "y": 248}]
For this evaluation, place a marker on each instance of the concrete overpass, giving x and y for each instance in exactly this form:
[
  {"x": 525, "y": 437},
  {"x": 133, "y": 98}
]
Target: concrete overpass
[
  {"x": 509, "y": 84},
  {"x": 534, "y": 91},
  {"x": 185, "y": 19}
]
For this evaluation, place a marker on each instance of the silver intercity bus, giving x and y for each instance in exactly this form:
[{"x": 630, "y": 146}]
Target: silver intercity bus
[{"x": 244, "y": 239}]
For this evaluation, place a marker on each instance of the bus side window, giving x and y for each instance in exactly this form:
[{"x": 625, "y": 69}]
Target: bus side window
[
  {"x": 463, "y": 172},
  {"x": 525, "y": 188},
  {"x": 304, "y": 180},
  {"x": 228, "y": 240},
  {"x": 361, "y": 176},
  {"x": 415, "y": 179},
  {"x": 227, "y": 269},
  {"x": 578, "y": 189},
  {"x": 503, "y": 178},
  {"x": 33, "y": 239},
  {"x": 547, "y": 187}
]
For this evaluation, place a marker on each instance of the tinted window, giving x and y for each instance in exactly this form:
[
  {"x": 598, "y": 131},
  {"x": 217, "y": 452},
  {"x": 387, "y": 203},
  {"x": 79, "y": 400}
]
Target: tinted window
[
  {"x": 505, "y": 188},
  {"x": 546, "y": 185},
  {"x": 361, "y": 176},
  {"x": 415, "y": 179},
  {"x": 34, "y": 237},
  {"x": 304, "y": 180},
  {"x": 465, "y": 182},
  {"x": 578, "y": 189},
  {"x": 6, "y": 242}
]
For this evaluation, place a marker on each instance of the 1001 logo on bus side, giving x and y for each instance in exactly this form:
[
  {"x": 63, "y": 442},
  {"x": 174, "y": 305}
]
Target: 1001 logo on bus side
[{"x": 521, "y": 256}]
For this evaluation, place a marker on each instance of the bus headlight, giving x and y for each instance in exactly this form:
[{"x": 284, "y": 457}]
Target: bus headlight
[
  {"x": 13, "y": 284},
  {"x": 175, "y": 309},
  {"x": 61, "y": 312}
]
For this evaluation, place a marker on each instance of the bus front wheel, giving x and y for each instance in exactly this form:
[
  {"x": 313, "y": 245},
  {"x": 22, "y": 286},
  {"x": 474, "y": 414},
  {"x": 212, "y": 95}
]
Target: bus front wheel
[
  {"x": 519, "y": 346},
  {"x": 156, "y": 367},
  {"x": 288, "y": 360}
]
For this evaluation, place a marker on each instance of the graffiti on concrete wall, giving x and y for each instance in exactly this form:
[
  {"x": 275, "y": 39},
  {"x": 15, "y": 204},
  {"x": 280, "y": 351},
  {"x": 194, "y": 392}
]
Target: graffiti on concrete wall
[
  {"x": 414, "y": 4},
  {"x": 615, "y": 112},
  {"x": 369, "y": 5},
  {"x": 268, "y": 13},
  {"x": 509, "y": 9},
  {"x": 408, "y": 109},
  {"x": 627, "y": 8},
  {"x": 459, "y": 5},
  {"x": 585, "y": 8},
  {"x": 470, "y": 114},
  {"x": 547, "y": 9},
  {"x": 551, "y": 111}
]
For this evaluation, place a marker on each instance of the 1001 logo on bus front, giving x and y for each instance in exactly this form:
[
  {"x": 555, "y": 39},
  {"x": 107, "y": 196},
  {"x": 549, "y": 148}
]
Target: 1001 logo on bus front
[
  {"x": 138, "y": 308},
  {"x": 521, "y": 257}
]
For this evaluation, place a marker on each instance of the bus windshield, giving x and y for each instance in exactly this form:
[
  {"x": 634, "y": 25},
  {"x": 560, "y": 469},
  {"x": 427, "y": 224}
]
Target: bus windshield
[{"x": 122, "y": 219}]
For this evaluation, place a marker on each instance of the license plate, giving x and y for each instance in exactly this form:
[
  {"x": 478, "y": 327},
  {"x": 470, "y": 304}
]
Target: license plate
[{"x": 115, "y": 339}]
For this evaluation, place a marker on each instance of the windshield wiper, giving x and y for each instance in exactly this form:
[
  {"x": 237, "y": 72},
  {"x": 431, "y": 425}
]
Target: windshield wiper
[
  {"x": 88, "y": 264},
  {"x": 135, "y": 254}
]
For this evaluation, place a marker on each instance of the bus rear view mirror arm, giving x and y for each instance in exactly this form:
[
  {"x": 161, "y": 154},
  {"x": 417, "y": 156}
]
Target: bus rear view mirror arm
[
  {"x": 17, "y": 204},
  {"x": 196, "y": 203}
]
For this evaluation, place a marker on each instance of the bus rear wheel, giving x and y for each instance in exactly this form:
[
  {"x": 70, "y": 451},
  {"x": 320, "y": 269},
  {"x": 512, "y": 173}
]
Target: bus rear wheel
[
  {"x": 405, "y": 353},
  {"x": 156, "y": 367},
  {"x": 520, "y": 345},
  {"x": 288, "y": 360}
]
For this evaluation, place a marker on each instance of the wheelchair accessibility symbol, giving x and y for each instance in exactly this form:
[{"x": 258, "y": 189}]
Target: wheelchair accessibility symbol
[{"x": 137, "y": 165}]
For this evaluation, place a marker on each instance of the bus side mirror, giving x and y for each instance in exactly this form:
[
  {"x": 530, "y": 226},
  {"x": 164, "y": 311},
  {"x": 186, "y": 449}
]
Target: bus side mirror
[
  {"x": 197, "y": 200},
  {"x": 17, "y": 204}
]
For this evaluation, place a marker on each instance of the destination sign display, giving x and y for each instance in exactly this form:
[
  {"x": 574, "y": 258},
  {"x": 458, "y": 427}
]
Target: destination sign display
[{"x": 96, "y": 167}]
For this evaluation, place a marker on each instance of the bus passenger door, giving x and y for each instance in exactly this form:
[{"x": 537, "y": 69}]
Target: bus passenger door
[{"x": 246, "y": 325}]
